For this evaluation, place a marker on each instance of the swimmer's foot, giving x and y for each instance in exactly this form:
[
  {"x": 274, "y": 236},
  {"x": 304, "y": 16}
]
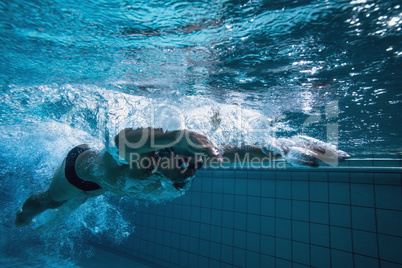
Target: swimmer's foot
[
  {"x": 22, "y": 219},
  {"x": 34, "y": 205}
]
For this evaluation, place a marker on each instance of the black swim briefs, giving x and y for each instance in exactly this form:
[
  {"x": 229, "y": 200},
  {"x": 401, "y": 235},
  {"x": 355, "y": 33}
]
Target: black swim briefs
[{"x": 72, "y": 176}]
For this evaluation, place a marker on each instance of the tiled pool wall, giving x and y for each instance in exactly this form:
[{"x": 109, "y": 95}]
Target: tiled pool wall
[{"x": 349, "y": 216}]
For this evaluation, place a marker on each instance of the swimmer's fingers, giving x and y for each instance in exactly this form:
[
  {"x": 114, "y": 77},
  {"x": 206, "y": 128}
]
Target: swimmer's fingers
[
  {"x": 307, "y": 151},
  {"x": 325, "y": 151}
]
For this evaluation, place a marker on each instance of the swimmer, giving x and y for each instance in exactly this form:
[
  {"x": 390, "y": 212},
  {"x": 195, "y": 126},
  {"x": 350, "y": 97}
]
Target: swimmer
[{"x": 152, "y": 162}]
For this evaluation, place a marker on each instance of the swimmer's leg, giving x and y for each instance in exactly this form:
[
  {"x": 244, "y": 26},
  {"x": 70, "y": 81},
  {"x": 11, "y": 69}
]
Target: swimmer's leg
[
  {"x": 59, "y": 215},
  {"x": 34, "y": 205}
]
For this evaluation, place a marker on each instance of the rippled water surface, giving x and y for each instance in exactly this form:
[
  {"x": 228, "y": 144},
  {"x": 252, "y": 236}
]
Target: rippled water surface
[
  {"x": 78, "y": 71},
  {"x": 284, "y": 59}
]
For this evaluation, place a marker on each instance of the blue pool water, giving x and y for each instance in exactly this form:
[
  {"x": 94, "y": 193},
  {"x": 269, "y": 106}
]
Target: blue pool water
[{"x": 237, "y": 71}]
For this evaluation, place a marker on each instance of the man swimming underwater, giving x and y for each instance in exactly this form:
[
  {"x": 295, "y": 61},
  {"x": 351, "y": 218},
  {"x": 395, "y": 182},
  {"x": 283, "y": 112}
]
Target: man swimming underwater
[{"x": 156, "y": 162}]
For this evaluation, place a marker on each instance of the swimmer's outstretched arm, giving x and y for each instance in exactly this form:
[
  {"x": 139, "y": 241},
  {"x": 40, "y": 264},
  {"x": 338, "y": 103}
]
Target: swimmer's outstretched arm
[
  {"x": 243, "y": 154},
  {"x": 146, "y": 140},
  {"x": 298, "y": 151}
]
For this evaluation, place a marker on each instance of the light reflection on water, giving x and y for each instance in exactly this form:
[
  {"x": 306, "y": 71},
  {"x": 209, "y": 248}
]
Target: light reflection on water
[{"x": 274, "y": 57}]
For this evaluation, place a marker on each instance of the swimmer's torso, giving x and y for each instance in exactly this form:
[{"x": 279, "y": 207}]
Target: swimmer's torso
[{"x": 140, "y": 182}]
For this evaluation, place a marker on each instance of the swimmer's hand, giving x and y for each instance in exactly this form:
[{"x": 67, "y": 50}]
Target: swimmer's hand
[
  {"x": 199, "y": 144},
  {"x": 306, "y": 151}
]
